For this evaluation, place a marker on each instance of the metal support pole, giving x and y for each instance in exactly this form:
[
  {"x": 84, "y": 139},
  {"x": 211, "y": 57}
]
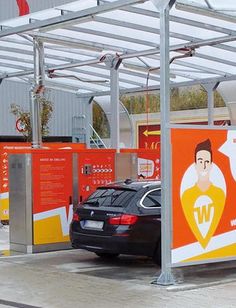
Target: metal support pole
[
  {"x": 113, "y": 62},
  {"x": 35, "y": 93},
  {"x": 115, "y": 110},
  {"x": 210, "y": 88},
  {"x": 89, "y": 121},
  {"x": 166, "y": 277},
  {"x": 81, "y": 131},
  {"x": 35, "y": 120}
]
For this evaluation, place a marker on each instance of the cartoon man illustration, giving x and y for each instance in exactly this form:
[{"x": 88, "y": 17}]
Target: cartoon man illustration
[{"x": 203, "y": 204}]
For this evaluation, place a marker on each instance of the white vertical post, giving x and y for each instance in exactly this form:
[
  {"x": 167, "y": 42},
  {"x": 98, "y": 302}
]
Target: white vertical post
[
  {"x": 166, "y": 277},
  {"x": 210, "y": 88},
  {"x": 88, "y": 120},
  {"x": 39, "y": 76},
  {"x": 115, "y": 113}
]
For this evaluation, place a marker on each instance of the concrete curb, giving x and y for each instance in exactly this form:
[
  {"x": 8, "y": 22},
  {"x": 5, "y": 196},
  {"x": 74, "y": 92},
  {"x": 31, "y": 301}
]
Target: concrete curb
[{"x": 187, "y": 287}]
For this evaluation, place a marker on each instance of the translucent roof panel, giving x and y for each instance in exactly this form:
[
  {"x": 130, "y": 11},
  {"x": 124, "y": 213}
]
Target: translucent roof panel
[
  {"x": 81, "y": 38},
  {"x": 217, "y": 5}
]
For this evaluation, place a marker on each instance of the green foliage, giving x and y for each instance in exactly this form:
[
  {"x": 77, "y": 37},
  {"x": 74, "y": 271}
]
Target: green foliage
[
  {"x": 181, "y": 99},
  {"x": 193, "y": 98},
  {"x": 139, "y": 104},
  {"x": 46, "y": 114},
  {"x": 46, "y": 109},
  {"x": 100, "y": 122}
]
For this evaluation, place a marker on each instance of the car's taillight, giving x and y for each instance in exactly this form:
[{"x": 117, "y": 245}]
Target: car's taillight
[
  {"x": 75, "y": 217},
  {"x": 124, "y": 219},
  {"x": 128, "y": 219},
  {"x": 114, "y": 220}
]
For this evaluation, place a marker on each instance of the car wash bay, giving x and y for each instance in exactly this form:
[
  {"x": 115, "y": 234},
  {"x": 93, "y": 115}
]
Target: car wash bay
[{"x": 175, "y": 49}]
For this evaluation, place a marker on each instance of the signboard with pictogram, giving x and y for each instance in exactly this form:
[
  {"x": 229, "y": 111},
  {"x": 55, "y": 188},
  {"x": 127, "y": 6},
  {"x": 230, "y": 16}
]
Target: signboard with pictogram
[
  {"x": 203, "y": 196},
  {"x": 149, "y": 136}
]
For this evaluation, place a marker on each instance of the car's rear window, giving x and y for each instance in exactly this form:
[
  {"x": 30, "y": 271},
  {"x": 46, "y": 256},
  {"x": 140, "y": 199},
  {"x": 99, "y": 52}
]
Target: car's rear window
[{"x": 110, "y": 197}]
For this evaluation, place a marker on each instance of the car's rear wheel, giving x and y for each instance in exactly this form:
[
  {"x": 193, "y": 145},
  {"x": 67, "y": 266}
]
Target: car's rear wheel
[
  {"x": 157, "y": 254},
  {"x": 106, "y": 255}
]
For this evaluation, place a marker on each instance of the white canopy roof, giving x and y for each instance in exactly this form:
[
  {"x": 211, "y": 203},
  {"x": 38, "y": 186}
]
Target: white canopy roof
[{"x": 82, "y": 36}]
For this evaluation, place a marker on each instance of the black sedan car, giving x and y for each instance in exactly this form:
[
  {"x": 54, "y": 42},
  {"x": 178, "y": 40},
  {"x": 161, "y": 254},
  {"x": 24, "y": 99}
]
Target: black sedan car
[{"x": 120, "y": 218}]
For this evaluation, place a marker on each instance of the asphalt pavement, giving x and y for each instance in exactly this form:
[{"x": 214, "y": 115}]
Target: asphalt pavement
[{"x": 76, "y": 278}]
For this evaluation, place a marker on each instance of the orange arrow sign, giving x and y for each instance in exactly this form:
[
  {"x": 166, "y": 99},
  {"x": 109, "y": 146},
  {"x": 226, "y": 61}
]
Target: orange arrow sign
[{"x": 152, "y": 133}]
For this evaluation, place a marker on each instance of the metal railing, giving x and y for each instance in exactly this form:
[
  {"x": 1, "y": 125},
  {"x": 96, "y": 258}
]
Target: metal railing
[{"x": 96, "y": 139}]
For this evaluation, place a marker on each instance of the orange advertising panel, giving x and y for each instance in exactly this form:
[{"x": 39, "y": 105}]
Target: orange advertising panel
[
  {"x": 203, "y": 195},
  {"x": 52, "y": 196},
  {"x": 4, "y": 185},
  {"x": 21, "y": 147}
]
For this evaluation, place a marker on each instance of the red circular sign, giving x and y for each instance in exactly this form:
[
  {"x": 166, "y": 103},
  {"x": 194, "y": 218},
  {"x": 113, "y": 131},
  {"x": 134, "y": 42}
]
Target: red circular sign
[{"x": 20, "y": 126}]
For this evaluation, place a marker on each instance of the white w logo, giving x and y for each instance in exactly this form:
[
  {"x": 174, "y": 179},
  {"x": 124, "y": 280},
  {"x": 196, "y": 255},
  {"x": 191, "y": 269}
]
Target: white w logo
[{"x": 203, "y": 214}]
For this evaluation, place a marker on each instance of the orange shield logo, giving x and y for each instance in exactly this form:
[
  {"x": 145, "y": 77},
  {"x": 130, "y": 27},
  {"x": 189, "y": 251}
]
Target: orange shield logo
[{"x": 203, "y": 212}]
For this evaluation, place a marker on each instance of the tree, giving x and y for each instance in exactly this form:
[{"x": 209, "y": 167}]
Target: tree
[
  {"x": 180, "y": 99},
  {"x": 100, "y": 122},
  {"x": 24, "y": 116}
]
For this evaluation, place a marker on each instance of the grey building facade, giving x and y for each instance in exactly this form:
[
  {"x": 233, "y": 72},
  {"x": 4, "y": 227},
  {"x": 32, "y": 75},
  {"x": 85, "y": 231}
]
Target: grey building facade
[{"x": 65, "y": 105}]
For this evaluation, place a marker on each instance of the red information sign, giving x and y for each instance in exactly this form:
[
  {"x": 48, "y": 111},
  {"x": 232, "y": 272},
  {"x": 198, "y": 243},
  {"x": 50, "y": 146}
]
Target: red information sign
[
  {"x": 52, "y": 194},
  {"x": 149, "y": 136},
  {"x": 95, "y": 168}
]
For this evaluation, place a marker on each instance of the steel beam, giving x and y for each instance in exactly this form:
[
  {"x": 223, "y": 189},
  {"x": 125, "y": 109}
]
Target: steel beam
[
  {"x": 130, "y": 53},
  {"x": 69, "y": 17},
  {"x": 89, "y": 123},
  {"x": 177, "y": 19},
  {"x": 35, "y": 93},
  {"x": 149, "y": 52},
  {"x": 66, "y": 59},
  {"x": 210, "y": 88},
  {"x": 193, "y": 45},
  {"x": 113, "y": 62},
  {"x": 185, "y": 21},
  {"x": 114, "y": 36},
  {"x": 180, "y": 36},
  {"x": 115, "y": 114},
  {"x": 46, "y": 37},
  {"x": 173, "y": 85},
  {"x": 166, "y": 277},
  {"x": 199, "y": 9},
  {"x": 200, "y": 69}
]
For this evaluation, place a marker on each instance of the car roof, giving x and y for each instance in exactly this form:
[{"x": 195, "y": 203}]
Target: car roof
[{"x": 133, "y": 184}]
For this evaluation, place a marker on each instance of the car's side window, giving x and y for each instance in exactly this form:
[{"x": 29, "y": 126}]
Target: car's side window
[{"x": 151, "y": 199}]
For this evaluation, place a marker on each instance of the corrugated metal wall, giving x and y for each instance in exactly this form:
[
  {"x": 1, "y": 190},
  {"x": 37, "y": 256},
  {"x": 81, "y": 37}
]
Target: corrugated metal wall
[
  {"x": 9, "y": 8},
  {"x": 66, "y": 106}
]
